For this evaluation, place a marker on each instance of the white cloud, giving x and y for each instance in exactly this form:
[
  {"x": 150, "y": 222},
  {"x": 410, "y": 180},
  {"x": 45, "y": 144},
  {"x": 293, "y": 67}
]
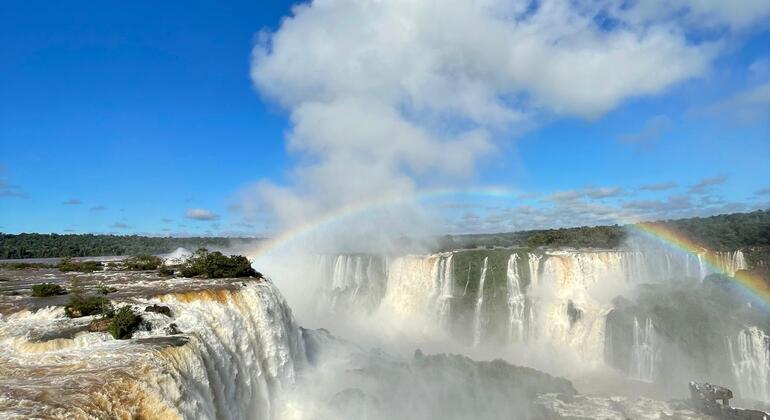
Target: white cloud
[
  {"x": 200, "y": 214},
  {"x": 384, "y": 95},
  {"x": 750, "y": 105},
  {"x": 660, "y": 186},
  {"x": 704, "y": 14},
  {"x": 603, "y": 192},
  {"x": 706, "y": 184}
]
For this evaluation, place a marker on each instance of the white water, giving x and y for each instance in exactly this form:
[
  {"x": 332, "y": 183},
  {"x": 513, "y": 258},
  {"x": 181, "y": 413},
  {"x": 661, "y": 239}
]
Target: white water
[
  {"x": 239, "y": 350},
  {"x": 443, "y": 274},
  {"x": 478, "y": 323},
  {"x": 644, "y": 352},
  {"x": 516, "y": 301},
  {"x": 423, "y": 288},
  {"x": 750, "y": 356},
  {"x": 534, "y": 268}
]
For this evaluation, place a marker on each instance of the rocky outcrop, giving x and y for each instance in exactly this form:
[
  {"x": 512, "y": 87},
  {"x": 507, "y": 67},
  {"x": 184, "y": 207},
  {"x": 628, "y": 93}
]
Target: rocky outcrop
[
  {"x": 159, "y": 309},
  {"x": 714, "y": 400}
]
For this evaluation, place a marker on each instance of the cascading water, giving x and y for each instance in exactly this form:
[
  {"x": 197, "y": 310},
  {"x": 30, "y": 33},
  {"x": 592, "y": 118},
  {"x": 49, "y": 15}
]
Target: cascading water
[
  {"x": 516, "y": 301},
  {"x": 644, "y": 352},
  {"x": 750, "y": 356},
  {"x": 478, "y": 323},
  {"x": 239, "y": 348},
  {"x": 534, "y": 268},
  {"x": 350, "y": 279},
  {"x": 444, "y": 280}
]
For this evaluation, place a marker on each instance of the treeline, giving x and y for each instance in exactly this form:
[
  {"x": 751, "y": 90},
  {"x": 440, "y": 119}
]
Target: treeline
[
  {"x": 726, "y": 231},
  {"x": 38, "y": 245},
  {"x": 722, "y": 232},
  {"x": 578, "y": 237}
]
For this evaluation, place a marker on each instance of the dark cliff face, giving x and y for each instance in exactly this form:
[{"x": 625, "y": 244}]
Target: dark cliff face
[
  {"x": 377, "y": 385},
  {"x": 693, "y": 324}
]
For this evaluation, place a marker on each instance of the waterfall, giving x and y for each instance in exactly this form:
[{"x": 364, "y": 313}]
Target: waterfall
[
  {"x": 350, "y": 280},
  {"x": 516, "y": 301},
  {"x": 445, "y": 282},
  {"x": 534, "y": 269},
  {"x": 477, "y": 318},
  {"x": 750, "y": 357},
  {"x": 643, "y": 352},
  {"x": 702, "y": 271},
  {"x": 239, "y": 349},
  {"x": 731, "y": 262}
]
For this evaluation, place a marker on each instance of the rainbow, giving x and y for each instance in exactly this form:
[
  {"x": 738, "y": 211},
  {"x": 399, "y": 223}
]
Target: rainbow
[
  {"x": 750, "y": 284},
  {"x": 303, "y": 230}
]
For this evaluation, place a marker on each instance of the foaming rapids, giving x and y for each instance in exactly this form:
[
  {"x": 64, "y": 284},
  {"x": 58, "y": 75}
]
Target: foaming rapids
[{"x": 239, "y": 347}]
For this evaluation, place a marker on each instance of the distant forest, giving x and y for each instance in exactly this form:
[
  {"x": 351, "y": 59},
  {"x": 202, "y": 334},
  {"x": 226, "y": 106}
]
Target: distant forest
[
  {"x": 722, "y": 232},
  {"x": 38, "y": 245}
]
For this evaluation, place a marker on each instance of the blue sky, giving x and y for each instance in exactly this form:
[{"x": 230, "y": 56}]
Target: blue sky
[{"x": 145, "y": 118}]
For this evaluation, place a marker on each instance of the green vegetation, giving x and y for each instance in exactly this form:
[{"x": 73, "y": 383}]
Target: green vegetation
[
  {"x": 68, "y": 264},
  {"x": 24, "y": 266},
  {"x": 578, "y": 237},
  {"x": 37, "y": 245},
  {"x": 726, "y": 231},
  {"x": 718, "y": 233},
  {"x": 142, "y": 263},
  {"x": 124, "y": 323},
  {"x": 81, "y": 305},
  {"x": 216, "y": 265},
  {"x": 694, "y": 319},
  {"x": 165, "y": 271},
  {"x": 47, "y": 289}
]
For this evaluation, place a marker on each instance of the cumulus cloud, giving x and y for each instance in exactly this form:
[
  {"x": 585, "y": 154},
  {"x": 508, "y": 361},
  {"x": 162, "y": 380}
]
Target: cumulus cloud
[
  {"x": 385, "y": 97},
  {"x": 72, "y": 202},
  {"x": 652, "y": 130},
  {"x": 706, "y": 184},
  {"x": 200, "y": 214}
]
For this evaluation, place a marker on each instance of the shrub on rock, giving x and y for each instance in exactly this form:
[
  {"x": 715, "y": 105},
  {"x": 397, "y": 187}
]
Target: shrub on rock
[
  {"x": 88, "y": 305},
  {"x": 124, "y": 323},
  {"x": 47, "y": 289},
  {"x": 216, "y": 265},
  {"x": 142, "y": 263}
]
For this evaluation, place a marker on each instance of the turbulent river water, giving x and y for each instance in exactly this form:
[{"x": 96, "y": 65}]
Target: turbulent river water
[{"x": 634, "y": 324}]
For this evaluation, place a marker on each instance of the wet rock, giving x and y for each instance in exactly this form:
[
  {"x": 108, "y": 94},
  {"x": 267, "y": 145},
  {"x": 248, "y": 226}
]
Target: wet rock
[
  {"x": 574, "y": 313},
  {"x": 159, "y": 309},
  {"x": 172, "y": 329},
  {"x": 714, "y": 400},
  {"x": 100, "y": 325}
]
